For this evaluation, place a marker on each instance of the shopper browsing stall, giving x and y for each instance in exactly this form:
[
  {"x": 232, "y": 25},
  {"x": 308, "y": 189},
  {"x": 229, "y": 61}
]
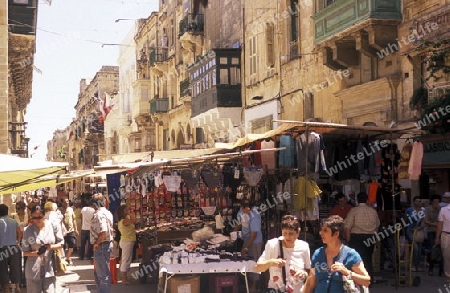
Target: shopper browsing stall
[
  {"x": 287, "y": 258},
  {"x": 127, "y": 239},
  {"x": 333, "y": 261},
  {"x": 101, "y": 239},
  {"x": 250, "y": 223}
]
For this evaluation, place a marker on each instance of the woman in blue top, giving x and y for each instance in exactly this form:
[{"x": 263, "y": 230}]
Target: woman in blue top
[{"x": 334, "y": 260}]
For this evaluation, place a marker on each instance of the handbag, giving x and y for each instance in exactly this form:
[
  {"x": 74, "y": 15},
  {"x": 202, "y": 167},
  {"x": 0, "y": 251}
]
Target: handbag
[
  {"x": 283, "y": 270},
  {"x": 436, "y": 253},
  {"x": 349, "y": 284},
  {"x": 419, "y": 236},
  {"x": 59, "y": 265}
]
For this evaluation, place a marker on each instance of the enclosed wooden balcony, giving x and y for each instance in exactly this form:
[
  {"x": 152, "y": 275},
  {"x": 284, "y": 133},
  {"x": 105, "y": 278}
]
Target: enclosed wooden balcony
[{"x": 346, "y": 28}]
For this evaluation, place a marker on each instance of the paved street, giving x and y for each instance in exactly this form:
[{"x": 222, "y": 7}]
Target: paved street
[{"x": 80, "y": 279}]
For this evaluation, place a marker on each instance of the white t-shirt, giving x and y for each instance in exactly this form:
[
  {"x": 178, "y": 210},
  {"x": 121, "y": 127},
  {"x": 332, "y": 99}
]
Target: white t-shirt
[
  {"x": 444, "y": 216},
  {"x": 87, "y": 213},
  {"x": 297, "y": 257}
]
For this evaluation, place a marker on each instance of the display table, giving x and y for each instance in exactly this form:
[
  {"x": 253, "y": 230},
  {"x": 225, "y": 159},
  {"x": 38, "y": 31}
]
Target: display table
[{"x": 223, "y": 267}]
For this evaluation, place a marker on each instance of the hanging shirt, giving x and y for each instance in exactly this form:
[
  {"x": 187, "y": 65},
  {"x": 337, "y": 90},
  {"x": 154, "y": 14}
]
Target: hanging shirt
[
  {"x": 415, "y": 163},
  {"x": 405, "y": 157},
  {"x": 268, "y": 158},
  {"x": 286, "y": 157}
]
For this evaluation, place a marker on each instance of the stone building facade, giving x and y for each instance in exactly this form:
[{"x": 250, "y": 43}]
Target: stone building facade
[
  {"x": 17, "y": 48},
  {"x": 86, "y": 137}
]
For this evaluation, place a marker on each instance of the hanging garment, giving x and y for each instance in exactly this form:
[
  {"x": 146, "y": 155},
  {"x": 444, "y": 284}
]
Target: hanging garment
[
  {"x": 172, "y": 182},
  {"x": 286, "y": 156},
  {"x": 372, "y": 192},
  {"x": 308, "y": 143},
  {"x": 305, "y": 189},
  {"x": 405, "y": 157},
  {"x": 268, "y": 158},
  {"x": 212, "y": 177},
  {"x": 253, "y": 175},
  {"x": 415, "y": 163},
  {"x": 231, "y": 176},
  {"x": 190, "y": 178}
]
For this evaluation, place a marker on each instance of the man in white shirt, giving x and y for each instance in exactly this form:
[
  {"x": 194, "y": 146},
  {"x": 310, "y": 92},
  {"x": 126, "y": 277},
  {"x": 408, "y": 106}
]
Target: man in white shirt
[
  {"x": 443, "y": 238},
  {"x": 86, "y": 216},
  {"x": 445, "y": 199}
]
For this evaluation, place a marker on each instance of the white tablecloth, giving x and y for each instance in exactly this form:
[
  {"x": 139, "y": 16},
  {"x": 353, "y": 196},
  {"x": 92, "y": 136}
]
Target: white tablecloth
[{"x": 248, "y": 266}]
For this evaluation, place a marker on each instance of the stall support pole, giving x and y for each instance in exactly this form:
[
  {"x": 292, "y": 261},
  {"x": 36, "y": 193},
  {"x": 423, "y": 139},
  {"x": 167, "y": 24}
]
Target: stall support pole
[{"x": 394, "y": 215}]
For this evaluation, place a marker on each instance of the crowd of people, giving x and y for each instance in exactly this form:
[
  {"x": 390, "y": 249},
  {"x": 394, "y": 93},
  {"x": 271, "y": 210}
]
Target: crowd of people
[
  {"x": 347, "y": 251},
  {"x": 40, "y": 230}
]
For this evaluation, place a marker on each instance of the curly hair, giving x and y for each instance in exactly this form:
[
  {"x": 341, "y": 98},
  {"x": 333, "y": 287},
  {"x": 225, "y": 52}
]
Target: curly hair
[{"x": 336, "y": 224}]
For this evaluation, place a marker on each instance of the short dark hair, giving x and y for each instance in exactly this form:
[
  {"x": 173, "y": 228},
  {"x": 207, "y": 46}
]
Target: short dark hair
[
  {"x": 416, "y": 197},
  {"x": 362, "y": 197},
  {"x": 121, "y": 212},
  {"x": 336, "y": 224},
  {"x": 36, "y": 208},
  {"x": 20, "y": 205},
  {"x": 98, "y": 200},
  {"x": 339, "y": 196},
  {"x": 290, "y": 222},
  {"x": 435, "y": 196},
  {"x": 3, "y": 210},
  {"x": 246, "y": 203}
]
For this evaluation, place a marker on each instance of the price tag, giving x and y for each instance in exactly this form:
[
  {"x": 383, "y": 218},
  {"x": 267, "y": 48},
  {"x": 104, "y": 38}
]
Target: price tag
[{"x": 236, "y": 173}]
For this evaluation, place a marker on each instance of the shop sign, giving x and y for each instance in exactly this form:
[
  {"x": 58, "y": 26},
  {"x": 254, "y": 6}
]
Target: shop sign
[{"x": 436, "y": 152}]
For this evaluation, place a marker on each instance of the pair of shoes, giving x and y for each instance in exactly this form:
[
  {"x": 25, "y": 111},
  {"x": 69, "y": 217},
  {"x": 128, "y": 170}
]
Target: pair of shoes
[{"x": 69, "y": 262}]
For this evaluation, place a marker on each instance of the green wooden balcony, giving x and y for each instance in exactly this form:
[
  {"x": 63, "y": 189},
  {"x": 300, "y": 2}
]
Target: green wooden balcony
[
  {"x": 343, "y": 14},
  {"x": 159, "y": 105}
]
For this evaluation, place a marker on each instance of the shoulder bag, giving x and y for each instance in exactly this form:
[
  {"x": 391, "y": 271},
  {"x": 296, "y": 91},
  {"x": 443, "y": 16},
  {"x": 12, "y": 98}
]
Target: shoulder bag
[{"x": 272, "y": 290}]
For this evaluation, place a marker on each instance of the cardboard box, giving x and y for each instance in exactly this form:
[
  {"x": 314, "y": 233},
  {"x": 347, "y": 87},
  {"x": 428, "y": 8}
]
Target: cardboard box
[{"x": 184, "y": 284}]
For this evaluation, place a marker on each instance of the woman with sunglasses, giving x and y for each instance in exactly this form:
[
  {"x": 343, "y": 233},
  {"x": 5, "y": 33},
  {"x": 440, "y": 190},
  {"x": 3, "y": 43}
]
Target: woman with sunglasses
[
  {"x": 287, "y": 258},
  {"x": 334, "y": 260},
  {"x": 40, "y": 240}
]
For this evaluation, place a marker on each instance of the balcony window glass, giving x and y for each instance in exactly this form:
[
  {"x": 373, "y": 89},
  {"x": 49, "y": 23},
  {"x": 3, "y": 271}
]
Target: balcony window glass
[
  {"x": 223, "y": 75},
  {"x": 207, "y": 66},
  {"x": 198, "y": 87},
  {"x": 213, "y": 62},
  {"x": 207, "y": 81},
  {"x": 234, "y": 76},
  {"x": 213, "y": 78},
  {"x": 294, "y": 20}
]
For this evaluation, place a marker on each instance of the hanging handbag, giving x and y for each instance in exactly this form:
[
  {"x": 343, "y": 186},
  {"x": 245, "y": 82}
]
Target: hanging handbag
[
  {"x": 59, "y": 265},
  {"x": 283, "y": 270},
  {"x": 349, "y": 284}
]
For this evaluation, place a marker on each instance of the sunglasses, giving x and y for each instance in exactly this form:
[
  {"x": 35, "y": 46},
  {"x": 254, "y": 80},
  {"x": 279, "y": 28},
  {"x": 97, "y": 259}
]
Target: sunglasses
[
  {"x": 37, "y": 218},
  {"x": 290, "y": 217}
]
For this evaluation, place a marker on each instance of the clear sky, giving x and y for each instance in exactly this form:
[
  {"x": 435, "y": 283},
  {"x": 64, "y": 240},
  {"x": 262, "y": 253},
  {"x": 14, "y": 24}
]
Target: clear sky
[{"x": 69, "y": 38}]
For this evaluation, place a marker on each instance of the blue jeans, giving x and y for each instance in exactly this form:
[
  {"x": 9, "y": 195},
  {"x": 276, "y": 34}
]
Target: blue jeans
[
  {"x": 101, "y": 273},
  {"x": 85, "y": 241}
]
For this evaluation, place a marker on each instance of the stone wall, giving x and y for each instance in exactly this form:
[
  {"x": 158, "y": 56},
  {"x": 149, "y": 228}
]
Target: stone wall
[{"x": 4, "y": 77}]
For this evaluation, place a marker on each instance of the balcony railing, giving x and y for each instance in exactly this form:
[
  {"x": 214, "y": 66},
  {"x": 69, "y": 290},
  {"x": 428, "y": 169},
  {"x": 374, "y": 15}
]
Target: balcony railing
[
  {"x": 343, "y": 14},
  {"x": 192, "y": 23},
  {"x": 158, "y": 54},
  {"x": 184, "y": 88},
  {"x": 159, "y": 105}
]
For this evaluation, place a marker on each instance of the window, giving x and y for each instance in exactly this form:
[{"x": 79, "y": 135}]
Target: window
[
  {"x": 262, "y": 125},
  {"x": 252, "y": 53},
  {"x": 214, "y": 79},
  {"x": 224, "y": 76},
  {"x": 224, "y": 60},
  {"x": 270, "y": 35},
  {"x": 309, "y": 105},
  {"x": 294, "y": 21},
  {"x": 235, "y": 77}
]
